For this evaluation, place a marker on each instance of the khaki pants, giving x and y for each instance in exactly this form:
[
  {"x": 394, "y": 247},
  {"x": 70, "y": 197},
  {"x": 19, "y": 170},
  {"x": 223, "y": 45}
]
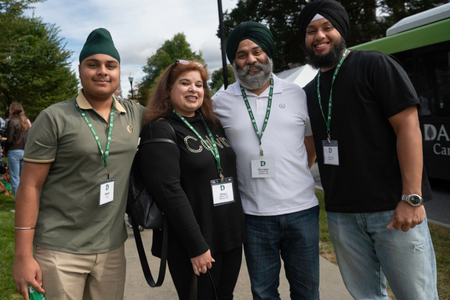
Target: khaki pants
[{"x": 68, "y": 276}]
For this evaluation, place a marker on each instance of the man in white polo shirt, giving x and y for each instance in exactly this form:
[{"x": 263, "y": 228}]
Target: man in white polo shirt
[{"x": 267, "y": 124}]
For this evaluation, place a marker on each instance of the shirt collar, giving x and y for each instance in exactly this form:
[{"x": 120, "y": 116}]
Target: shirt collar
[
  {"x": 84, "y": 104},
  {"x": 277, "y": 87}
]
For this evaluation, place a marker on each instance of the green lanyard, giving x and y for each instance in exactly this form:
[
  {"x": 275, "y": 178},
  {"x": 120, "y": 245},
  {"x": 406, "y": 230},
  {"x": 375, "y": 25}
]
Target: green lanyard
[
  {"x": 328, "y": 121},
  {"x": 94, "y": 133},
  {"x": 215, "y": 150},
  {"x": 252, "y": 118}
]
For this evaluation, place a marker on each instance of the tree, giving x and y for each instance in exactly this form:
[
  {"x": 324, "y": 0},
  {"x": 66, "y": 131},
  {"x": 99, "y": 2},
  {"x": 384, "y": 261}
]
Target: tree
[
  {"x": 34, "y": 66},
  {"x": 397, "y": 10},
  {"x": 176, "y": 48},
  {"x": 280, "y": 16},
  {"x": 217, "y": 78}
]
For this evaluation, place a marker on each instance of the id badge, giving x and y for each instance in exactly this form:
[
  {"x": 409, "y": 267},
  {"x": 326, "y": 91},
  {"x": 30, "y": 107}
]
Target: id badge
[
  {"x": 106, "y": 191},
  {"x": 222, "y": 191},
  {"x": 330, "y": 152},
  {"x": 262, "y": 166}
]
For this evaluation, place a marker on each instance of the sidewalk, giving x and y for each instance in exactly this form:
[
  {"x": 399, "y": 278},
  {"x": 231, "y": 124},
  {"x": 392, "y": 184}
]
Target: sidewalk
[{"x": 136, "y": 288}]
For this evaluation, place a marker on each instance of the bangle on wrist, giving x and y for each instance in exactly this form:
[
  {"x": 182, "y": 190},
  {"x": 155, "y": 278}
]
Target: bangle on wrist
[{"x": 24, "y": 228}]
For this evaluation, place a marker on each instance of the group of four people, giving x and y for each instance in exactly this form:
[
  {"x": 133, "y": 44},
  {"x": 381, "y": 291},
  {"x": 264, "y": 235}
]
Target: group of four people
[{"x": 238, "y": 174}]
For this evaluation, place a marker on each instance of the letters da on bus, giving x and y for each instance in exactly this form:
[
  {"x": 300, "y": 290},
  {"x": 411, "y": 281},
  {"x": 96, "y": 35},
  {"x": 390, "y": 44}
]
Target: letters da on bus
[{"x": 438, "y": 134}]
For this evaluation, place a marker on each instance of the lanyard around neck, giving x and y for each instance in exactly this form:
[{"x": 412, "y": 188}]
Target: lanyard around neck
[
  {"x": 105, "y": 154},
  {"x": 328, "y": 120},
  {"x": 214, "y": 150},
  {"x": 252, "y": 118}
]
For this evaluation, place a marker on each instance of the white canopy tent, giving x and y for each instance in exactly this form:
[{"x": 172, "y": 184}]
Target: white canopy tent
[{"x": 301, "y": 75}]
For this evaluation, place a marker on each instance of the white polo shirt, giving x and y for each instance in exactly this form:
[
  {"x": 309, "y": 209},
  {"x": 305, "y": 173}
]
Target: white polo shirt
[{"x": 292, "y": 188}]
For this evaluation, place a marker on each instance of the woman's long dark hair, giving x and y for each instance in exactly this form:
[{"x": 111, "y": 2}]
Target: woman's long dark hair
[
  {"x": 160, "y": 104},
  {"x": 16, "y": 112}
]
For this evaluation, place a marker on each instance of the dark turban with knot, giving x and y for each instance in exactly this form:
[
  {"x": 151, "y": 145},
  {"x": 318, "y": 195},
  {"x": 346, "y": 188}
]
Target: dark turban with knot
[
  {"x": 99, "y": 41},
  {"x": 330, "y": 10},
  {"x": 256, "y": 32}
]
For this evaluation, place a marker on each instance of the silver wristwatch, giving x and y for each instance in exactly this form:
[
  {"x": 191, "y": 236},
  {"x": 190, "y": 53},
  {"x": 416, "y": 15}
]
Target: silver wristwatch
[{"x": 413, "y": 199}]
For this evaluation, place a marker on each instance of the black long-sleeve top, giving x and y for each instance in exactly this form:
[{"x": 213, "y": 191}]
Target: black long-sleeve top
[{"x": 179, "y": 178}]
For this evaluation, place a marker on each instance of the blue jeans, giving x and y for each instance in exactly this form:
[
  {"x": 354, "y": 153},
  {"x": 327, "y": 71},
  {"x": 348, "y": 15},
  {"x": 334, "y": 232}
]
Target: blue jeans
[
  {"x": 296, "y": 237},
  {"x": 15, "y": 162},
  {"x": 368, "y": 253}
]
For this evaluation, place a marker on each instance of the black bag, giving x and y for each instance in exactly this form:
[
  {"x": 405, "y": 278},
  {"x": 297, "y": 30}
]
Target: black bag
[
  {"x": 140, "y": 204},
  {"x": 142, "y": 209}
]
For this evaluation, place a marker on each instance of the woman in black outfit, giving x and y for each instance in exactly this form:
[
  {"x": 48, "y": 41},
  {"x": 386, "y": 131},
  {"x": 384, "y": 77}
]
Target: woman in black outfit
[{"x": 206, "y": 221}]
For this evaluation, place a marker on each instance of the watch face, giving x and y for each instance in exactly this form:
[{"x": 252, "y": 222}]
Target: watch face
[{"x": 415, "y": 200}]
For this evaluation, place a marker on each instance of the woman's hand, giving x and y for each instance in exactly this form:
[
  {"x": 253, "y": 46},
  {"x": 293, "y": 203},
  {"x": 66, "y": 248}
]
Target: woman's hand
[{"x": 201, "y": 263}]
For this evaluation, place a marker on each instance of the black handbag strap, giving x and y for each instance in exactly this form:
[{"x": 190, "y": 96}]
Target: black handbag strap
[
  {"x": 160, "y": 140},
  {"x": 143, "y": 257},
  {"x": 193, "y": 293},
  {"x": 157, "y": 140},
  {"x": 138, "y": 239}
]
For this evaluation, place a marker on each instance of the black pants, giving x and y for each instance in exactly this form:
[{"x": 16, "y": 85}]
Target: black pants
[{"x": 224, "y": 271}]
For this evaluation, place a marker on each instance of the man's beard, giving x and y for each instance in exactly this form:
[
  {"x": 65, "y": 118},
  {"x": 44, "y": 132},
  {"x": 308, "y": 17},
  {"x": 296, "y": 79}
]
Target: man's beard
[
  {"x": 328, "y": 60},
  {"x": 254, "y": 81}
]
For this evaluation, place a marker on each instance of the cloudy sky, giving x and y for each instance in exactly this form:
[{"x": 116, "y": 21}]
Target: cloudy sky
[{"x": 138, "y": 27}]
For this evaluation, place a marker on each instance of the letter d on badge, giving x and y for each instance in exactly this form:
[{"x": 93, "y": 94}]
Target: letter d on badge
[
  {"x": 330, "y": 152},
  {"x": 263, "y": 163},
  {"x": 106, "y": 191}
]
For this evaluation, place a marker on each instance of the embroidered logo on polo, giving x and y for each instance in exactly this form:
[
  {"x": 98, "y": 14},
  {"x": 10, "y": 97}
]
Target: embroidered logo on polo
[
  {"x": 130, "y": 129},
  {"x": 282, "y": 105},
  {"x": 221, "y": 142}
]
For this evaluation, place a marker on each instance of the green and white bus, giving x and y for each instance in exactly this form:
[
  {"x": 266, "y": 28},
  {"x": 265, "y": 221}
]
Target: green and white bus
[{"x": 422, "y": 45}]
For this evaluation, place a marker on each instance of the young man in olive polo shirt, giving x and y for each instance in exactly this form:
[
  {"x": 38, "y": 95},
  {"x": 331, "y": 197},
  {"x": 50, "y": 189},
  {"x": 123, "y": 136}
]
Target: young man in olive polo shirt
[{"x": 71, "y": 201}]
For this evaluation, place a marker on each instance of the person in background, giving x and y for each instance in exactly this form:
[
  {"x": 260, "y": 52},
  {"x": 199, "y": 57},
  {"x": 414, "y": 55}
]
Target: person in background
[
  {"x": 194, "y": 183},
  {"x": 2, "y": 134},
  {"x": 16, "y": 133},
  {"x": 71, "y": 202},
  {"x": 266, "y": 121},
  {"x": 369, "y": 151}
]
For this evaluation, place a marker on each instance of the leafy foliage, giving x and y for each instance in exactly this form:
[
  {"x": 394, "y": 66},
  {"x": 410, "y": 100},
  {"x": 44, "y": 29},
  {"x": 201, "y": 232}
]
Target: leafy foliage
[
  {"x": 34, "y": 66},
  {"x": 171, "y": 50},
  {"x": 280, "y": 16},
  {"x": 217, "y": 78}
]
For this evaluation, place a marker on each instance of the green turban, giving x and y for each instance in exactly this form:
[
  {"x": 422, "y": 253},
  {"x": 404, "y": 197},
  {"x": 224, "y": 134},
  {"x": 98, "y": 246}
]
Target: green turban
[
  {"x": 99, "y": 41},
  {"x": 256, "y": 32}
]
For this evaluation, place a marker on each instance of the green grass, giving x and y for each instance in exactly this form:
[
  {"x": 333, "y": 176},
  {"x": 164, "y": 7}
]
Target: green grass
[
  {"x": 441, "y": 242},
  {"x": 325, "y": 246},
  {"x": 7, "y": 285}
]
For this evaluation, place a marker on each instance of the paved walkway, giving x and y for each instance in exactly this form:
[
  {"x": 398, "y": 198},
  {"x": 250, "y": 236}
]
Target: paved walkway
[{"x": 136, "y": 288}]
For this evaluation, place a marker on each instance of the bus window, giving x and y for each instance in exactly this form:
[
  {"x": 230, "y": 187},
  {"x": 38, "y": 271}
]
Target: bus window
[{"x": 429, "y": 70}]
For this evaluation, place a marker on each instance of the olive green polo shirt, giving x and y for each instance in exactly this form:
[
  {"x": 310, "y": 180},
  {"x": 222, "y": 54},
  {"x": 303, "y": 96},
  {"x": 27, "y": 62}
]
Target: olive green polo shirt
[{"x": 70, "y": 218}]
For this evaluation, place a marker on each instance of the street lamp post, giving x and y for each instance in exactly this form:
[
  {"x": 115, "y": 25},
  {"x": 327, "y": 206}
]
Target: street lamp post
[
  {"x": 222, "y": 45},
  {"x": 130, "y": 78}
]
